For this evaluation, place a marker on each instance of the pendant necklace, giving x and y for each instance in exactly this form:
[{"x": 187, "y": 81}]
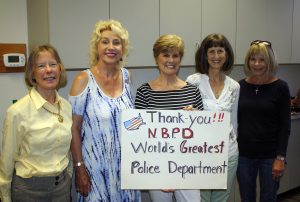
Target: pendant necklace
[
  {"x": 60, "y": 118},
  {"x": 256, "y": 90}
]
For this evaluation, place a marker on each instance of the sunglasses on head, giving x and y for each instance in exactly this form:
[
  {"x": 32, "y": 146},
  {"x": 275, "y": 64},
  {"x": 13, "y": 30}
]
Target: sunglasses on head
[{"x": 266, "y": 43}]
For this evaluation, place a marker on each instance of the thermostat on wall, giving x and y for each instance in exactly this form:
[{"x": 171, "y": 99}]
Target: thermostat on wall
[{"x": 14, "y": 60}]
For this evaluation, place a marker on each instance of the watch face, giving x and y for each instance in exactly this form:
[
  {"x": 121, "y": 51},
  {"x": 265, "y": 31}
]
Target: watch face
[{"x": 280, "y": 158}]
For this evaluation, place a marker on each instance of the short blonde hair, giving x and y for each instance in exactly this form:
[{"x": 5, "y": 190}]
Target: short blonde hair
[
  {"x": 115, "y": 27},
  {"x": 166, "y": 43},
  {"x": 31, "y": 65},
  {"x": 268, "y": 54}
]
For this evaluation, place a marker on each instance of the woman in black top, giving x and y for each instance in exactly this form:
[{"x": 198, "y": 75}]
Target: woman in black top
[{"x": 263, "y": 124}]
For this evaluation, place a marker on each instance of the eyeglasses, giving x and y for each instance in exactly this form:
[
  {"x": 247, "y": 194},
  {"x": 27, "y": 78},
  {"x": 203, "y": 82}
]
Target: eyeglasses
[
  {"x": 266, "y": 43},
  {"x": 43, "y": 66}
]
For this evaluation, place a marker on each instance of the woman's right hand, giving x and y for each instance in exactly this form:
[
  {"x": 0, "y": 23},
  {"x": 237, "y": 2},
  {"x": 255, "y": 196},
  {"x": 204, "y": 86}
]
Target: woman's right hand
[{"x": 82, "y": 181}]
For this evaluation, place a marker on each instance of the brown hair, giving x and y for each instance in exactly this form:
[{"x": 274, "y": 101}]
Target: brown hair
[
  {"x": 31, "y": 65},
  {"x": 213, "y": 40}
]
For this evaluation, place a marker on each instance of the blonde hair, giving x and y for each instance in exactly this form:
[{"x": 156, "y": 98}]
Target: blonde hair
[
  {"x": 115, "y": 27},
  {"x": 267, "y": 53},
  {"x": 31, "y": 65},
  {"x": 168, "y": 42}
]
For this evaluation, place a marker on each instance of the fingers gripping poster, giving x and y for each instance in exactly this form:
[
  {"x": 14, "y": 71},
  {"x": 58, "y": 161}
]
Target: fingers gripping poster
[{"x": 174, "y": 149}]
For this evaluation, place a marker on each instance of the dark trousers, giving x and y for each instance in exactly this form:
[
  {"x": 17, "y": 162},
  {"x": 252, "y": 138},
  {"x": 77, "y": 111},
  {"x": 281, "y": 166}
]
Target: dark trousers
[
  {"x": 41, "y": 189},
  {"x": 247, "y": 172}
]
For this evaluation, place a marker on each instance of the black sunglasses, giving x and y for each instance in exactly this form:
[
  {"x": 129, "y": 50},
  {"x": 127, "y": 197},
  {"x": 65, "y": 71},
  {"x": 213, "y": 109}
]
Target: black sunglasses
[{"x": 266, "y": 43}]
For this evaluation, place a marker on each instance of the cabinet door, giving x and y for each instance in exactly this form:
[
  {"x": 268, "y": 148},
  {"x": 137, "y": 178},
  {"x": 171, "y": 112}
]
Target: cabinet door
[
  {"x": 266, "y": 20},
  {"x": 296, "y": 33},
  {"x": 182, "y": 18},
  {"x": 219, "y": 16},
  {"x": 71, "y": 23},
  {"x": 293, "y": 155},
  {"x": 141, "y": 19},
  {"x": 279, "y": 28}
]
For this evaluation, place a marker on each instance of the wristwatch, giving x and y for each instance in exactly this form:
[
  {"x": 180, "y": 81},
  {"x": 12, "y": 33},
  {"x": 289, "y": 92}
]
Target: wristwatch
[
  {"x": 78, "y": 164},
  {"x": 281, "y": 158}
]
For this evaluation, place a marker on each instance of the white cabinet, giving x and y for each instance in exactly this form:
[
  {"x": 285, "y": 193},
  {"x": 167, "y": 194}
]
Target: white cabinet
[
  {"x": 293, "y": 155},
  {"x": 198, "y": 20},
  {"x": 182, "y": 18},
  {"x": 141, "y": 19},
  {"x": 71, "y": 23},
  {"x": 280, "y": 26},
  {"x": 265, "y": 20},
  {"x": 219, "y": 16},
  {"x": 296, "y": 33}
]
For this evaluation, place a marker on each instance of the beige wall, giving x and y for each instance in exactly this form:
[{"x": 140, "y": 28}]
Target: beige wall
[{"x": 38, "y": 24}]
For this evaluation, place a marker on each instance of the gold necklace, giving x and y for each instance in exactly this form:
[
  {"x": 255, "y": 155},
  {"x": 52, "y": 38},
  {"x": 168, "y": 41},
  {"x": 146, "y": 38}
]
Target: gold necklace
[{"x": 59, "y": 117}]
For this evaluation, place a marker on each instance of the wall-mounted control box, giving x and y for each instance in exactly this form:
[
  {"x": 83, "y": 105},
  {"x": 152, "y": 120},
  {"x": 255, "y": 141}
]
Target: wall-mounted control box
[{"x": 14, "y": 59}]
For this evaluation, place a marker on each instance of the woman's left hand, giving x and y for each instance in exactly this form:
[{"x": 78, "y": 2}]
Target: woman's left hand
[{"x": 278, "y": 169}]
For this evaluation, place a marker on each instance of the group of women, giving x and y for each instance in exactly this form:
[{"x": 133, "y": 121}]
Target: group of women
[{"x": 45, "y": 137}]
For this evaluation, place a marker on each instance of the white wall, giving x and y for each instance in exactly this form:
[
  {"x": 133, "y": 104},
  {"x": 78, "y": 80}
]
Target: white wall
[{"x": 13, "y": 23}]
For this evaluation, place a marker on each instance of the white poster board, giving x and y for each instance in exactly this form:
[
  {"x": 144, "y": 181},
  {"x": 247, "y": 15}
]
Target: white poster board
[{"x": 174, "y": 149}]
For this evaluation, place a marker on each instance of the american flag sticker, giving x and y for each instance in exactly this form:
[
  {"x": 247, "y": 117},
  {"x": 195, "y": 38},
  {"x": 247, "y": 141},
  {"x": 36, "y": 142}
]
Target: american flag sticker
[{"x": 134, "y": 123}]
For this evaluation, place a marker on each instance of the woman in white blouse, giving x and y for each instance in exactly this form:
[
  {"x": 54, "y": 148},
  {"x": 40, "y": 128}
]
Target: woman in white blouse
[{"x": 214, "y": 58}]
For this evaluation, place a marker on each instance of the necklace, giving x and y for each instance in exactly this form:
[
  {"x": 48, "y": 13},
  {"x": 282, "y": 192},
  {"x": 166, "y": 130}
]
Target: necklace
[
  {"x": 259, "y": 81},
  {"x": 59, "y": 117},
  {"x": 216, "y": 88},
  {"x": 256, "y": 90}
]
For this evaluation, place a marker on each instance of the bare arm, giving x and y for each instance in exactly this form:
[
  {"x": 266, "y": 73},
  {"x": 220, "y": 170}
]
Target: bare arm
[
  {"x": 82, "y": 180},
  {"x": 78, "y": 86},
  {"x": 76, "y": 141}
]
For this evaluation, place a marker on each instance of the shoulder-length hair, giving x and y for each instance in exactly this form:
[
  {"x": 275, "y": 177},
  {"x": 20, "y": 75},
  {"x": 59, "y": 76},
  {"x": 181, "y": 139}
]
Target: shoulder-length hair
[
  {"x": 32, "y": 63},
  {"x": 213, "y": 40},
  {"x": 267, "y": 53},
  {"x": 115, "y": 27}
]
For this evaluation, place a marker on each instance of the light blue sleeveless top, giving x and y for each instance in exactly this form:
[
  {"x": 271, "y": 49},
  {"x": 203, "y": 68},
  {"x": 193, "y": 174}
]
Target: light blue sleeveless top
[{"x": 100, "y": 136}]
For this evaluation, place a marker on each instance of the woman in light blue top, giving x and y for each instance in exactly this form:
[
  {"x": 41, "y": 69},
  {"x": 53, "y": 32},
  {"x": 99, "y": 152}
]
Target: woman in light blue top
[{"x": 98, "y": 96}]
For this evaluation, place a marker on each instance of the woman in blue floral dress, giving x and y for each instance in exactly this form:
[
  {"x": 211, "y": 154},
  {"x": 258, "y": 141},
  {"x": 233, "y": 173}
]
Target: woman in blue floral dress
[{"x": 98, "y": 96}]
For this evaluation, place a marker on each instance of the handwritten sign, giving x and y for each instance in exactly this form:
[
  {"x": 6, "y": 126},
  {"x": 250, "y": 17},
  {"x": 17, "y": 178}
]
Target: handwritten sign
[{"x": 174, "y": 149}]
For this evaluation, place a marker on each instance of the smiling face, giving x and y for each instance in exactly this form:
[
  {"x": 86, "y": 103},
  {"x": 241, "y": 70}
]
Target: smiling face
[
  {"x": 257, "y": 65},
  {"x": 168, "y": 62},
  {"x": 216, "y": 57},
  {"x": 110, "y": 48},
  {"x": 46, "y": 72}
]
